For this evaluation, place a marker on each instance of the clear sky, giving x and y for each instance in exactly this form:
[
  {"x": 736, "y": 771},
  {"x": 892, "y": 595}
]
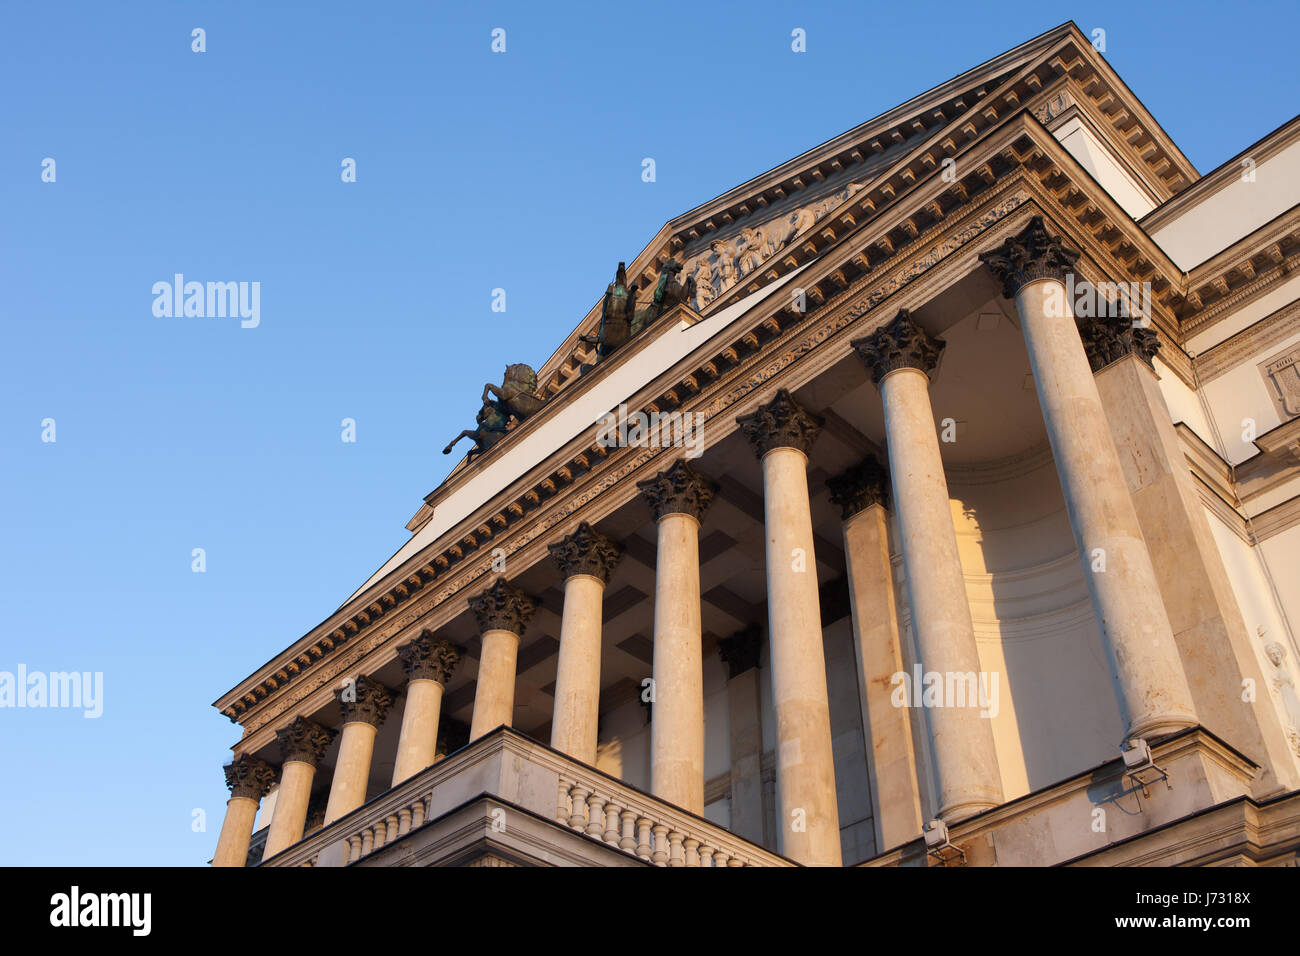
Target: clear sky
[{"x": 475, "y": 171}]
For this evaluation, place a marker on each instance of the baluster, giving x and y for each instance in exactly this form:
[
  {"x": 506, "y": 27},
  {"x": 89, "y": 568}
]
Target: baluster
[
  {"x": 706, "y": 855},
  {"x": 367, "y": 840},
  {"x": 354, "y": 848},
  {"x": 720, "y": 857},
  {"x": 675, "y": 857},
  {"x": 643, "y": 848},
  {"x": 735, "y": 861},
  {"x": 578, "y": 819},
  {"x": 391, "y": 835},
  {"x": 417, "y": 811},
  {"x": 404, "y": 821},
  {"x": 628, "y": 842},
  {"x": 692, "y": 852},
  {"x": 660, "y": 855},
  {"x": 565, "y": 808},
  {"x": 611, "y": 823},
  {"x": 595, "y": 815}
]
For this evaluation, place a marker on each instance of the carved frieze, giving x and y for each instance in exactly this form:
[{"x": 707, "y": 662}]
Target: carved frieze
[
  {"x": 586, "y": 551},
  {"x": 729, "y": 260},
  {"x": 781, "y": 423}
]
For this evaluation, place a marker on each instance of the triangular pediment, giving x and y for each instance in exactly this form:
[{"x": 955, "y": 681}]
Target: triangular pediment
[{"x": 753, "y": 234}]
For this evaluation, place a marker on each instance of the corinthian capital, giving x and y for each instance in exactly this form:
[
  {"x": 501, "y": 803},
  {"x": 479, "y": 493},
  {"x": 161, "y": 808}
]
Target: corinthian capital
[
  {"x": 1107, "y": 340},
  {"x": 781, "y": 423},
  {"x": 429, "y": 658},
  {"x": 900, "y": 344},
  {"x": 678, "y": 490},
  {"x": 1033, "y": 254},
  {"x": 247, "y": 776},
  {"x": 862, "y": 486},
  {"x": 503, "y": 607},
  {"x": 364, "y": 700},
  {"x": 303, "y": 740},
  {"x": 586, "y": 551}
]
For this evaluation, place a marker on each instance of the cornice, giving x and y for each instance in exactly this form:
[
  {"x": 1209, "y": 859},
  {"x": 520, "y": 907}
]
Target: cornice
[
  {"x": 1221, "y": 285},
  {"x": 1254, "y": 340},
  {"x": 1226, "y": 173}
]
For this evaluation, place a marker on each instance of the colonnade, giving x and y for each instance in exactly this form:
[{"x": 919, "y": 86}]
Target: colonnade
[{"x": 900, "y": 358}]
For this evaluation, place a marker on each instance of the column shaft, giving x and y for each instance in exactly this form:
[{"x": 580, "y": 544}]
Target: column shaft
[
  {"x": 1212, "y": 638},
  {"x": 1153, "y": 691},
  {"x": 290, "y": 816},
  {"x": 965, "y": 759},
  {"x": 494, "y": 698},
  {"x": 677, "y": 727},
  {"x": 577, "y": 678},
  {"x": 418, "y": 742},
  {"x": 896, "y": 796},
  {"x": 236, "y": 832},
  {"x": 805, "y": 763},
  {"x": 352, "y": 769}
]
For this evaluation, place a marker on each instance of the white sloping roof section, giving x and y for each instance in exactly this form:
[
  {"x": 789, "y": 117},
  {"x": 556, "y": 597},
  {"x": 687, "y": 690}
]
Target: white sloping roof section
[{"x": 503, "y": 467}]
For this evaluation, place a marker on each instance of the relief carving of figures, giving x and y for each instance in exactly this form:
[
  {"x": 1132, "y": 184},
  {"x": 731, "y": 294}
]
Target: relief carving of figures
[
  {"x": 703, "y": 282},
  {"x": 727, "y": 261},
  {"x": 1283, "y": 687},
  {"x": 515, "y": 399}
]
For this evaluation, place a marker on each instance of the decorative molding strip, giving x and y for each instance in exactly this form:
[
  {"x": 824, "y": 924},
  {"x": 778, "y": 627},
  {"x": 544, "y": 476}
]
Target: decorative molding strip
[
  {"x": 1251, "y": 342},
  {"x": 1277, "y": 519}
]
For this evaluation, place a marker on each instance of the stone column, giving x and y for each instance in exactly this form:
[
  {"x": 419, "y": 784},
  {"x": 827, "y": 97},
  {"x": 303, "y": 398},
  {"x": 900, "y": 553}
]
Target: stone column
[
  {"x": 899, "y": 358},
  {"x": 502, "y": 611},
  {"x": 365, "y": 704},
  {"x": 249, "y": 780},
  {"x": 782, "y": 432},
  {"x": 740, "y": 653},
  {"x": 1152, "y": 689},
  {"x": 302, "y": 744},
  {"x": 1216, "y": 649},
  {"x": 678, "y": 498},
  {"x": 429, "y": 664},
  {"x": 586, "y": 559},
  {"x": 862, "y": 493}
]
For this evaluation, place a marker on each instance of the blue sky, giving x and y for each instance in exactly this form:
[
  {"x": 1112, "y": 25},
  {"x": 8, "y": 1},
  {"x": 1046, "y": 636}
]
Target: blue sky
[{"x": 475, "y": 171}]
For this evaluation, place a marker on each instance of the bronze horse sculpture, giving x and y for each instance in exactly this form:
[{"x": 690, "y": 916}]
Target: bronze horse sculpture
[
  {"x": 617, "y": 315},
  {"x": 619, "y": 319},
  {"x": 515, "y": 398}
]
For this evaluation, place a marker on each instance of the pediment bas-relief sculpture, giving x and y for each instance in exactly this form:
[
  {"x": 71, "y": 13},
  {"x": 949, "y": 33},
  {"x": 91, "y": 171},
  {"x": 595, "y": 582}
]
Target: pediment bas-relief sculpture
[
  {"x": 727, "y": 261},
  {"x": 514, "y": 400}
]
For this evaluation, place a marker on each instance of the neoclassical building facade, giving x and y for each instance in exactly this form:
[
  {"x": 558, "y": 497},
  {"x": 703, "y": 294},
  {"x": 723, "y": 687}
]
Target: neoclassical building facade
[{"x": 932, "y": 499}]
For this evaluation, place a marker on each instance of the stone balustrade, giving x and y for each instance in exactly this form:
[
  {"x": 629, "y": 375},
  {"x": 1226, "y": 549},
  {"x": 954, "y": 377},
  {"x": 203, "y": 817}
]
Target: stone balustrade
[
  {"x": 577, "y": 812},
  {"x": 607, "y": 809}
]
